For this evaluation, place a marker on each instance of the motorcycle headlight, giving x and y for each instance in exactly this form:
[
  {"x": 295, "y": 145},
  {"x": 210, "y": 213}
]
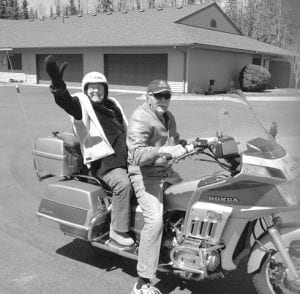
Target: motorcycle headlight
[
  {"x": 255, "y": 170},
  {"x": 262, "y": 171}
]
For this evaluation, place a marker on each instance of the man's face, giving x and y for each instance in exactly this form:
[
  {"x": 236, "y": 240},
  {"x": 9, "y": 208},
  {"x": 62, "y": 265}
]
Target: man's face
[
  {"x": 96, "y": 92},
  {"x": 159, "y": 102}
]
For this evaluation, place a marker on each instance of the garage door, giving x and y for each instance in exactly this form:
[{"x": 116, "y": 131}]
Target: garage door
[
  {"x": 135, "y": 69},
  {"x": 280, "y": 74},
  {"x": 73, "y": 71}
]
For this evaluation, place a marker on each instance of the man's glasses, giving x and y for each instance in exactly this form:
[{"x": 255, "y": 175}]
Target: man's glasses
[{"x": 160, "y": 96}]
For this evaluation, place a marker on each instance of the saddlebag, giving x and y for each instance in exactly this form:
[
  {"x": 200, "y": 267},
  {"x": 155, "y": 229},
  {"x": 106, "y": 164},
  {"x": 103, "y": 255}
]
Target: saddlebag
[
  {"x": 75, "y": 208},
  {"x": 57, "y": 155}
]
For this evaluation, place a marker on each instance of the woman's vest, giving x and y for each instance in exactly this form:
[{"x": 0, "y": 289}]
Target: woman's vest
[{"x": 93, "y": 142}]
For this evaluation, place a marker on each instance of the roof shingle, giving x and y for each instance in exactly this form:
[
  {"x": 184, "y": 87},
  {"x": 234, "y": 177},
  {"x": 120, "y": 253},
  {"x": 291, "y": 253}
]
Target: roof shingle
[{"x": 134, "y": 29}]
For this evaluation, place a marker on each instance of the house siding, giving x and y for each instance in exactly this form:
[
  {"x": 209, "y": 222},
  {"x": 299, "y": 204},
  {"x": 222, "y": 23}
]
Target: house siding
[
  {"x": 203, "y": 18},
  {"x": 93, "y": 60},
  {"x": 221, "y": 66}
]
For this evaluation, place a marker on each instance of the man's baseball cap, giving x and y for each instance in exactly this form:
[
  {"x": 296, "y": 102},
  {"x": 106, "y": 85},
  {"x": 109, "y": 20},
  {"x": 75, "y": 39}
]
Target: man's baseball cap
[{"x": 158, "y": 86}]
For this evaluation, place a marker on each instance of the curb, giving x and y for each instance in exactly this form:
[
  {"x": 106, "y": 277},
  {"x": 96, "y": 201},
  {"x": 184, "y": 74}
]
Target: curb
[
  {"x": 221, "y": 98},
  {"x": 175, "y": 97}
]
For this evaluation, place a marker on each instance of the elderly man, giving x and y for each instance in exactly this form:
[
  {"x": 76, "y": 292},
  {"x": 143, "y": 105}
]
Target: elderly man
[{"x": 152, "y": 139}]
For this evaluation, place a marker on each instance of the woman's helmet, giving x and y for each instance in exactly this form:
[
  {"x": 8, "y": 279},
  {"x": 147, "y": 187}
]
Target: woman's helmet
[{"x": 94, "y": 77}]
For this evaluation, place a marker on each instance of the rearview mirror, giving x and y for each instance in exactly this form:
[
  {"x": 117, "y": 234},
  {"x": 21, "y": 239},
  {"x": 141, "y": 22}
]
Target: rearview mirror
[{"x": 273, "y": 129}]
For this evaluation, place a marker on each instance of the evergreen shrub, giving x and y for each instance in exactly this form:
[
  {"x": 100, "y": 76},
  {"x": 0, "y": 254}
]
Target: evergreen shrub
[{"x": 254, "y": 78}]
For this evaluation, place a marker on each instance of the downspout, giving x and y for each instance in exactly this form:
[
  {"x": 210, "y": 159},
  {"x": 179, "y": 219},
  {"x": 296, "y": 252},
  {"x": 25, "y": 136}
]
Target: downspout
[{"x": 185, "y": 68}]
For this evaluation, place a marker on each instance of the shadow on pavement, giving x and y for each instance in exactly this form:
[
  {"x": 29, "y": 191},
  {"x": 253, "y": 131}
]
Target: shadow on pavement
[{"x": 237, "y": 281}]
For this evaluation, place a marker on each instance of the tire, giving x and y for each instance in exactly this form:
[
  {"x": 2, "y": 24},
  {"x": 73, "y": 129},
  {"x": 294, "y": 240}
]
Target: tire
[{"x": 272, "y": 278}]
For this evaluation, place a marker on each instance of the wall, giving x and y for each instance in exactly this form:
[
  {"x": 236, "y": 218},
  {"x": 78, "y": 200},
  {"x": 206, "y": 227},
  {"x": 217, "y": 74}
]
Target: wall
[
  {"x": 203, "y": 18},
  {"x": 223, "y": 67},
  {"x": 93, "y": 61}
]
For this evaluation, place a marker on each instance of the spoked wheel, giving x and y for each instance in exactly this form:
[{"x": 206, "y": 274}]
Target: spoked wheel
[{"x": 273, "y": 277}]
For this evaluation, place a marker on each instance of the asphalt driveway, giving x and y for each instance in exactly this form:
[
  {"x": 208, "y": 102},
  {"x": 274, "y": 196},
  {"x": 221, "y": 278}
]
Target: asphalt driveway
[{"x": 37, "y": 260}]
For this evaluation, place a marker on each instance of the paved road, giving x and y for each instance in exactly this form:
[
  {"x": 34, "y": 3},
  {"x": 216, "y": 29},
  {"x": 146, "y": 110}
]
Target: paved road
[{"x": 37, "y": 260}]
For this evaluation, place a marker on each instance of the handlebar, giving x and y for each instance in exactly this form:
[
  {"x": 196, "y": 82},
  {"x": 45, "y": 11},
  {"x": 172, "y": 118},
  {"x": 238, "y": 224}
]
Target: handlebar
[{"x": 198, "y": 146}]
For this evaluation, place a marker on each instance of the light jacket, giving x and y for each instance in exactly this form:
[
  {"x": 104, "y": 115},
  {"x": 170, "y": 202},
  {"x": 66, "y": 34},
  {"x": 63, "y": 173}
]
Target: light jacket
[
  {"x": 93, "y": 142},
  {"x": 145, "y": 135}
]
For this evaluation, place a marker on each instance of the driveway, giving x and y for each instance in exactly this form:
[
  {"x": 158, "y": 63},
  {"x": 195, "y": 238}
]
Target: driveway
[{"x": 39, "y": 260}]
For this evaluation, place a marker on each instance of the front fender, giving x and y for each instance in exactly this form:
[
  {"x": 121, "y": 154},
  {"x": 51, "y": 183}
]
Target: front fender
[{"x": 288, "y": 232}]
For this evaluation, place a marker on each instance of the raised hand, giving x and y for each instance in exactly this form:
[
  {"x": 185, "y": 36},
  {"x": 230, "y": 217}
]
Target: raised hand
[{"x": 55, "y": 72}]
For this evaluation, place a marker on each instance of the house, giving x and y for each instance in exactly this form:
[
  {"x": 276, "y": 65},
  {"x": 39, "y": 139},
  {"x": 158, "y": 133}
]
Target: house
[{"x": 193, "y": 47}]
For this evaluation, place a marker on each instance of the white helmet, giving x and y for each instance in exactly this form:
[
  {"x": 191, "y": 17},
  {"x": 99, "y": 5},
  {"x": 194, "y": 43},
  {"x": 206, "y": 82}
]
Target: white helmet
[{"x": 93, "y": 77}]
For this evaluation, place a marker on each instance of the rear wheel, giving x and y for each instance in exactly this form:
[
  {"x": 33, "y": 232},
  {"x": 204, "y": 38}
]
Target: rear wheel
[{"x": 273, "y": 277}]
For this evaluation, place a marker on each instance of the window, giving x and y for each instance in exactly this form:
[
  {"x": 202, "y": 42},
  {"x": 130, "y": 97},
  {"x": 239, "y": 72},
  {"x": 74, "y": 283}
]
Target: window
[
  {"x": 213, "y": 23},
  {"x": 14, "y": 61},
  {"x": 256, "y": 60}
]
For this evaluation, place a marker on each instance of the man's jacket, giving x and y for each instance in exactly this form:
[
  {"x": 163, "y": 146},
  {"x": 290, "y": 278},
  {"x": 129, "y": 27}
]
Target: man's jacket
[{"x": 146, "y": 133}]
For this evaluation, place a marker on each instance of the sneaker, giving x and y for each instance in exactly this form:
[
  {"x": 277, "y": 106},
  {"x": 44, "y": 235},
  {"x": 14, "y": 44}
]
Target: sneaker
[
  {"x": 121, "y": 238},
  {"x": 146, "y": 289}
]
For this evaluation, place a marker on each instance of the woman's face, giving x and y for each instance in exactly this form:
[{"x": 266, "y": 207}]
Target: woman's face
[{"x": 96, "y": 92}]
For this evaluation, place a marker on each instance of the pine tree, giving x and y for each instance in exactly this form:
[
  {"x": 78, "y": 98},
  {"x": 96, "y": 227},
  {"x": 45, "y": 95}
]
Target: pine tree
[
  {"x": 24, "y": 9},
  {"x": 12, "y": 9},
  {"x": 3, "y": 9},
  {"x": 57, "y": 7},
  {"x": 72, "y": 10}
]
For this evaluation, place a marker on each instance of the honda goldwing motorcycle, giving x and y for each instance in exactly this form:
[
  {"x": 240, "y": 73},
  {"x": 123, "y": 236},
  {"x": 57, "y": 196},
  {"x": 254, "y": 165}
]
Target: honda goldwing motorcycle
[{"x": 211, "y": 222}]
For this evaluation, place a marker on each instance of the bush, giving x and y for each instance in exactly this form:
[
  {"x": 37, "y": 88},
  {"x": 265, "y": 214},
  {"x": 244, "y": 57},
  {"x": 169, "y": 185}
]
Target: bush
[{"x": 254, "y": 78}]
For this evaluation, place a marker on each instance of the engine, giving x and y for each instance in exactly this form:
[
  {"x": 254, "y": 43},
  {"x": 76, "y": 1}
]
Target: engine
[
  {"x": 192, "y": 258},
  {"x": 197, "y": 249}
]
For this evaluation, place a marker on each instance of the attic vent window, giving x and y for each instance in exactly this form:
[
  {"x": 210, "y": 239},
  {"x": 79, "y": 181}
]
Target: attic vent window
[{"x": 213, "y": 23}]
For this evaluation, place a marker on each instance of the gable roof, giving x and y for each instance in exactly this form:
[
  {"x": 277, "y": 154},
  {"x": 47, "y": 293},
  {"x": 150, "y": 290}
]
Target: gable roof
[
  {"x": 132, "y": 29},
  {"x": 203, "y": 10}
]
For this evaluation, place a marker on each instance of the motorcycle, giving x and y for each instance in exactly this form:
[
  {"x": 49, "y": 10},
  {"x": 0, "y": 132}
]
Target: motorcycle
[{"x": 212, "y": 222}]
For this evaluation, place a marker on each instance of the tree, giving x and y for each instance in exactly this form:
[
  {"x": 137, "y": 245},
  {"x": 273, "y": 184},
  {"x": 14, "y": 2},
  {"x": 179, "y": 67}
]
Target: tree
[
  {"x": 24, "y": 10},
  {"x": 264, "y": 20},
  {"x": 72, "y": 10},
  {"x": 51, "y": 11},
  {"x": 31, "y": 13},
  {"x": 57, "y": 7},
  {"x": 13, "y": 9},
  {"x": 294, "y": 59},
  {"x": 3, "y": 9}
]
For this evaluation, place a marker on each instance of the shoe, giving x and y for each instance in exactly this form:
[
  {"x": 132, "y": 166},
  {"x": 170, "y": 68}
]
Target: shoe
[
  {"x": 146, "y": 289},
  {"x": 121, "y": 238}
]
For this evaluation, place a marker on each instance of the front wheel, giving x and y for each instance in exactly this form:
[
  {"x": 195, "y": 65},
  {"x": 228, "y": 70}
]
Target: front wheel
[{"x": 273, "y": 277}]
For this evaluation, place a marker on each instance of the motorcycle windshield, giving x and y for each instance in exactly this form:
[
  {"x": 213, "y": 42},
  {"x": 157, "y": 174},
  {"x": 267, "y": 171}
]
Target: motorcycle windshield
[{"x": 235, "y": 118}]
